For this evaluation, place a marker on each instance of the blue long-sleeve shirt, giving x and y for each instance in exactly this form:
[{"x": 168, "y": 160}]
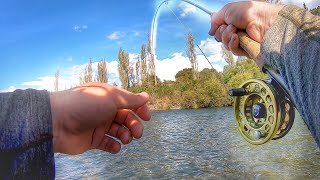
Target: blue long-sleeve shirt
[
  {"x": 26, "y": 150},
  {"x": 292, "y": 46}
]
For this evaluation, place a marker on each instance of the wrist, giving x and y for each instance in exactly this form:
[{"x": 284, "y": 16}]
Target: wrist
[{"x": 55, "y": 120}]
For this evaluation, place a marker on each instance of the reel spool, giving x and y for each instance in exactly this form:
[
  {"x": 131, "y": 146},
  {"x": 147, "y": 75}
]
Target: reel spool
[{"x": 263, "y": 110}]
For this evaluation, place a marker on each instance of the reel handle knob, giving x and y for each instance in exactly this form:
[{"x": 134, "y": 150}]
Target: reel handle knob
[{"x": 238, "y": 92}]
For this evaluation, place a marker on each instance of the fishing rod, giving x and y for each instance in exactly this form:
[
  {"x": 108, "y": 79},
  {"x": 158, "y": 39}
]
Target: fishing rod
[
  {"x": 198, "y": 6},
  {"x": 264, "y": 109}
]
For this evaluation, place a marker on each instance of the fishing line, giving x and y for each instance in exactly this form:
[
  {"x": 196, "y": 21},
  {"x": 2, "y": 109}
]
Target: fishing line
[{"x": 188, "y": 30}]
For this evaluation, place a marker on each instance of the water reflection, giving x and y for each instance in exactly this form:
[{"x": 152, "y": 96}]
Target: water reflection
[{"x": 199, "y": 144}]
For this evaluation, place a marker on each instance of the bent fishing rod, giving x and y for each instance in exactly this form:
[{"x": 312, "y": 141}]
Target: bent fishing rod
[{"x": 264, "y": 109}]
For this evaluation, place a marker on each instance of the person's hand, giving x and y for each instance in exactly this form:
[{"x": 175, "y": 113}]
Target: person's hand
[
  {"x": 92, "y": 116},
  {"x": 253, "y": 17}
]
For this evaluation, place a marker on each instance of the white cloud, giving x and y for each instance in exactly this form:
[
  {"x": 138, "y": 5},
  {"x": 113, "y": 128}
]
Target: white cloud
[
  {"x": 69, "y": 59},
  {"x": 9, "y": 89},
  {"x": 133, "y": 58},
  {"x": 80, "y": 28},
  {"x": 187, "y": 9},
  {"x": 167, "y": 68},
  {"x": 41, "y": 83},
  {"x": 310, "y": 3},
  {"x": 115, "y": 35},
  {"x": 70, "y": 77},
  {"x": 209, "y": 46}
]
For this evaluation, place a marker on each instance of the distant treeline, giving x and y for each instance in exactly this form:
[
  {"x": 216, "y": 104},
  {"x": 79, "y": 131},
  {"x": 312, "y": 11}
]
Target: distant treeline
[
  {"x": 210, "y": 90},
  {"x": 191, "y": 89}
]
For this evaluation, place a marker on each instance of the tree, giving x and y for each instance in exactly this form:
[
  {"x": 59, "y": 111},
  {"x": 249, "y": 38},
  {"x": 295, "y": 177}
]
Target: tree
[
  {"x": 237, "y": 74},
  {"x": 184, "y": 75},
  {"x": 144, "y": 70},
  {"x": 131, "y": 76},
  {"x": 138, "y": 71},
  {"x": 191, "y": 53},
  {"x": 227, "y": 56},
  {"x": 315, "y": 11},
  {"x": 152, "y": 66},
  {"x": 123, "y": 68},
  {"x": 81, "y": 81},
  {"x": 102, "y": 71},
  {"x": 88, "y": 77},
  {"x": 56, "y": 81}
]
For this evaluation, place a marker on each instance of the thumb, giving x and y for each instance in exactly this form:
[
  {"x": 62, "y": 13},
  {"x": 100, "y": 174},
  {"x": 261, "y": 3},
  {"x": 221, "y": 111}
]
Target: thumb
[{"x": 127, "y": 100}]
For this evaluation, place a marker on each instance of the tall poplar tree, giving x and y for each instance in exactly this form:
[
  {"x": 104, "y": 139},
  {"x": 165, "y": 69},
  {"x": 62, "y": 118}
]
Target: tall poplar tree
[
  {"x": 152, "y": 66},
  {"x": 123, "y": 68},
  {"x": 144, "y": 69},
  {"x": 102, "y": 71},
  {"x": 191, "y": 53},
  {"x": 138, "y": 71}
]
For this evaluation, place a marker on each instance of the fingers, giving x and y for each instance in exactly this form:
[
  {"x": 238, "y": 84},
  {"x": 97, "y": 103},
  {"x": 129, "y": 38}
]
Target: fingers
[
  {"x": 118, "y": 131},
  {"x": 218, "y": 33},
  {"x": 143, "y": 112},
  {"x": 130, "y": 121},
  {"x": 109, "y": 145},
  {"x": 217, "y": 19},
  {"x": 234, "y": 46},
  {"x": 127, "y": 100},
  {"x": 123, "y": 99},
  {"x": 97, "y": 136},
  {"x": 226, "y": 35}
]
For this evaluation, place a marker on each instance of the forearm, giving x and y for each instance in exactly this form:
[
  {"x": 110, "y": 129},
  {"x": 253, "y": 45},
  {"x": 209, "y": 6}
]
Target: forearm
[
  {"x": 292, "y": 46},
  {"x": 26, "y": 135}
]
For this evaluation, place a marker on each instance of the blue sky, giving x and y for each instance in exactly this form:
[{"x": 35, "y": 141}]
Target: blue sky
[{"x": 39, "y": 37}]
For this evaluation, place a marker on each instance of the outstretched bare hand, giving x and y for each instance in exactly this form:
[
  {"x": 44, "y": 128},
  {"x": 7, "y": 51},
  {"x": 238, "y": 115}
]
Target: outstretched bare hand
[{"x": 92, "y": 116}]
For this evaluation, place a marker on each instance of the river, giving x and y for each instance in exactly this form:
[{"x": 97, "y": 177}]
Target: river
[{"x": 201, "y": 144}]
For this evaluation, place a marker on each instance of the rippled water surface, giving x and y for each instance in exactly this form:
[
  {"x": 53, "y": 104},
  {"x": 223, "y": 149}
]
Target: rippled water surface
[{"x": 203, "y": 144}]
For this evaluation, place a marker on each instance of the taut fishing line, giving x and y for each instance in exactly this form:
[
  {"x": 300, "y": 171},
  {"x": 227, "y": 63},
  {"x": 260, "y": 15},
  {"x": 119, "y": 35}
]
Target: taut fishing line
[
  {"x": 188, "y": 30},
  {"x": 155, "y": 24}
]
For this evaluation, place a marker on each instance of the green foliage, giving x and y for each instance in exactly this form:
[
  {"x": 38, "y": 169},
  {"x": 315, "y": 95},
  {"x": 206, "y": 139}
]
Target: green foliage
[
  {"x": 316, "y": 11},
  {"x": 208, "y": 91},
  {"x": 184, "y": 75},
  {"x": 234, "y": 76},
  {"x": 238, "y": 79}
]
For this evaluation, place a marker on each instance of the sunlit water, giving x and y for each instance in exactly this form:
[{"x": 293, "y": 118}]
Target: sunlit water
[{"x": 203, "y": 144}]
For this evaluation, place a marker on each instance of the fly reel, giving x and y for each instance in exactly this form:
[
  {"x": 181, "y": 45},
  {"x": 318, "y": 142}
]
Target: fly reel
[{"x": 263, "y": 110}]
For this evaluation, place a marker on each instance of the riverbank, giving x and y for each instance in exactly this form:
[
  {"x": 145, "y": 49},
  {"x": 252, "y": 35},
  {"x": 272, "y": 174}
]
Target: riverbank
[{"x": 209, "y": 90}]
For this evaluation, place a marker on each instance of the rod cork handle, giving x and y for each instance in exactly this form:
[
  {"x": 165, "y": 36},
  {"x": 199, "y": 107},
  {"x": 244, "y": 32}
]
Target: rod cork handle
[{"x": 251, "y": 46}]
